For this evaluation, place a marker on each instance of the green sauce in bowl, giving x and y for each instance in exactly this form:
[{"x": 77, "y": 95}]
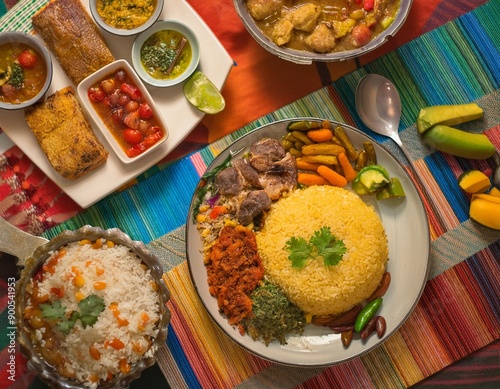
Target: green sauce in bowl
[{"x": 166, "y": 54}]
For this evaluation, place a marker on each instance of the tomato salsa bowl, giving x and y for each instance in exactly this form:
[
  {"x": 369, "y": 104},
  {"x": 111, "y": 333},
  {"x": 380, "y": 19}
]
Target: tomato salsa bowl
[
  {"x": 123, "y": 110},
  {"x": 166, "y": 54},
  {"x": 25, "y": 70}
]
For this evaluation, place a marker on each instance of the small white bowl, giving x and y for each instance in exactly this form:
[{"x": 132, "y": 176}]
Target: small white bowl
[
  {"x": 121, "y": 31},
  {"x": 21, "y": 37},
  {"x": 103, "y": 73},
  {"x": 160, "y": 26}
]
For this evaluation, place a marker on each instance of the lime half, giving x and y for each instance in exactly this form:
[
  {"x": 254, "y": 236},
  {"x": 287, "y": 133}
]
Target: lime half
[{"x": 203, "y": 94}]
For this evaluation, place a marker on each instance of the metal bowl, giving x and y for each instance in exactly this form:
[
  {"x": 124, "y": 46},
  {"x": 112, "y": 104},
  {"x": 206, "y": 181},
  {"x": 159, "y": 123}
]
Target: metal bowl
[
  {"x": 21, "y": 37},
  {"x": 305, "y": 57},
  {"x": 46, "y": 372}
]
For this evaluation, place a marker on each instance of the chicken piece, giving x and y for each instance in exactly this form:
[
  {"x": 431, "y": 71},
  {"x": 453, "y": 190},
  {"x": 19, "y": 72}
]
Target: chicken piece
[
  {"x": 256, "y": 202},
  {"x": 305, "y": 17},
  {"x": 261, "y": 9},
  {"x": 264, "y": 152},
  {"x": 282, "y": 32},
  {"x": 322, "y": 39},
  {"x": 228, "y": 182}
]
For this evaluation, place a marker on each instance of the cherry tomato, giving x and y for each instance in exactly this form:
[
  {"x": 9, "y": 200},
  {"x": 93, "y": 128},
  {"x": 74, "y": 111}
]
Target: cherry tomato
[
  {"x": 132, "y": 136},
  {"x": 135, "y": 150},
  {"x": 27, "y": 59},
  {"x": 150, "y": 140},
  {"x": 96, "y": 94},
  {"x": 145, "y": 111},
  {"x": 131, "y": 90}
]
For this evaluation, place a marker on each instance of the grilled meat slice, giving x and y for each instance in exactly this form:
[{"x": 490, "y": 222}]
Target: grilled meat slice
[
  {"x": 281, "y": 177},
  {"x": 264, "y": 152},
  {"x": 256, "y": 202},
  {"x": 228, "y": 182}
]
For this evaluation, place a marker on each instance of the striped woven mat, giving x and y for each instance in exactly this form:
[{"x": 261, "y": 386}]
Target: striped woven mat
[{"x": 459, "y": 310}]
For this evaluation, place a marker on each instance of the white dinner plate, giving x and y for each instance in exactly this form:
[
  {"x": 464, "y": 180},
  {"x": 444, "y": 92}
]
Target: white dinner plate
[
  {"x": 181, "y": 117},
  {"x": 406, "y": 224}
]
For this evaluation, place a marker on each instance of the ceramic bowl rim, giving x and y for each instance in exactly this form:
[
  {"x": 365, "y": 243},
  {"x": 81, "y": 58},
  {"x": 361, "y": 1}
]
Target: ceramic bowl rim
[
  {"x": 121, "y": 31},
  {"x": 19, "y": 36},
  {"x": 164, "y": 24}
]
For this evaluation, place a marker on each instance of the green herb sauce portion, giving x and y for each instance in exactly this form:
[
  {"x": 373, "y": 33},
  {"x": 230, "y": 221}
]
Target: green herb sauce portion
[
  {"x": 159, "y": 51},
  {"x": 273, "y": 315}
]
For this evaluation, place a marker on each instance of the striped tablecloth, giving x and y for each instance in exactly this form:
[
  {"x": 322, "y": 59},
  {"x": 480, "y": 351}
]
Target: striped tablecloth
[{"x": 459, "y": 311}]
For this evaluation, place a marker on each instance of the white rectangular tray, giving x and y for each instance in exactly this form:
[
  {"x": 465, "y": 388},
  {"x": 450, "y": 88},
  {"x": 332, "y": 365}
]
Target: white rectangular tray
[{"x": 180, "y": 116}]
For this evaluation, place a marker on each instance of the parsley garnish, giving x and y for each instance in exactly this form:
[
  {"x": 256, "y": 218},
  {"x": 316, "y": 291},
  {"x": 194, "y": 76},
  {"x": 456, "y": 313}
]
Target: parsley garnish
[
  {"x": 16, "y": 76},
  {"x": 206, "y": 184},
  {"x": 90, "y": 308},
  {"x": 322, "y": 244}
]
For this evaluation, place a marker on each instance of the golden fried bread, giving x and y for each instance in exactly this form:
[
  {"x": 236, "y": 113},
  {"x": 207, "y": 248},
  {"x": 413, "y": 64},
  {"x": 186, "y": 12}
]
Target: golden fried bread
[
  {"x": 71, "y": 34},
  {"x": 65, "y": 135}
]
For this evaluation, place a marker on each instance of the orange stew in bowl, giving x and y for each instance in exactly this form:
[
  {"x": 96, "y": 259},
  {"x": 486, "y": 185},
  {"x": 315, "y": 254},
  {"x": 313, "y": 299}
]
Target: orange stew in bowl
[
  {"x": 22, "y": 72},
  {"x": 126, "y": 114}
]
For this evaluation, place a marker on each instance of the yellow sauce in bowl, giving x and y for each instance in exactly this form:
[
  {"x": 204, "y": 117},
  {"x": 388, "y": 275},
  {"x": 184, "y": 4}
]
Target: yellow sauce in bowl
[{"x": 125, "y": 14}]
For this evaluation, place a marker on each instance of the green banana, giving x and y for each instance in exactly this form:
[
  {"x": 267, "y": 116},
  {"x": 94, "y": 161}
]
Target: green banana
[{"x": 459, "y": 143}]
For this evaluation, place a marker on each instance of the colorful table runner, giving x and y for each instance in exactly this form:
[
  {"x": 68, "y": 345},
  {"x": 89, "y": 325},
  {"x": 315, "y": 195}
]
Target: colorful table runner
[{"x": 459, "y": 311}]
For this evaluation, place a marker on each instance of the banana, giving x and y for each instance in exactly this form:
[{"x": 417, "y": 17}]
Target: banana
[
  {"x": 459, "y": 143},
  {"x": 485, "y": 210}
]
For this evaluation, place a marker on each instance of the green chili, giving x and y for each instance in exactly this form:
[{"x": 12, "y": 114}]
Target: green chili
[{"x": 368, "y": 311}]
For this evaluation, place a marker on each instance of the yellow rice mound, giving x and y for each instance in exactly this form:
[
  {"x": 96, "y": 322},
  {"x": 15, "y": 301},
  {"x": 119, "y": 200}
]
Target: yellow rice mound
[{"x": 316, "y": 288}]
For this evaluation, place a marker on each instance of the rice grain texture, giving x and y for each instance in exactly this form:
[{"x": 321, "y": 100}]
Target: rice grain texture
[{"x": 316, "y": 288}]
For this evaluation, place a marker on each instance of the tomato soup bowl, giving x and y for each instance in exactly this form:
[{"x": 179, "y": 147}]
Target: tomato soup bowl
[
  {"x": 106, "y": 23},
  {"x": 133, "y": 127},
  {"x": 184, "y": 67},
  {"x": 304, "y": 57},
  {"x": 41, "y": 73}
]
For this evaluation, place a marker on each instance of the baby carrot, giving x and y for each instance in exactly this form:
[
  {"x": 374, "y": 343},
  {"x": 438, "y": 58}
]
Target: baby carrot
[
  {"x": 303, "y": 165},
  {"x": 321, "y": 135},
  {"x": 349, "y": 172},
  {"x": 332, "y": 176},
  {"x": 311, "y": 179}
]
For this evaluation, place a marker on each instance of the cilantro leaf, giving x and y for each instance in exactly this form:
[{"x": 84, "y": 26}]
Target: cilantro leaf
[
  {"x": 53, "y": 311},
  {"x": 66, "y": 325},
  {"x": 322, "y": 244},
  {"x": 332, "y": 254},
  {"x": 299, "y": 250},
  {"x": 90, "y": 308},
  {"x": 322, "y": 238}
]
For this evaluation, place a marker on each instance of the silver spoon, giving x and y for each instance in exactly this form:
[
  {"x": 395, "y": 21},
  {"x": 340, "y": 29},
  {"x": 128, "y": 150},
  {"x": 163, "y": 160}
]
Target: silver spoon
[{"x": 379, "y": 106}]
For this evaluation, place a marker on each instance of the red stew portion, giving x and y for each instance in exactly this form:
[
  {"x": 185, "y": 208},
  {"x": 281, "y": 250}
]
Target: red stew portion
[
  {"x": 22, "y": 73},
  {"x": 234, "y": 271},
  {"x": 121, "y": 106}
]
